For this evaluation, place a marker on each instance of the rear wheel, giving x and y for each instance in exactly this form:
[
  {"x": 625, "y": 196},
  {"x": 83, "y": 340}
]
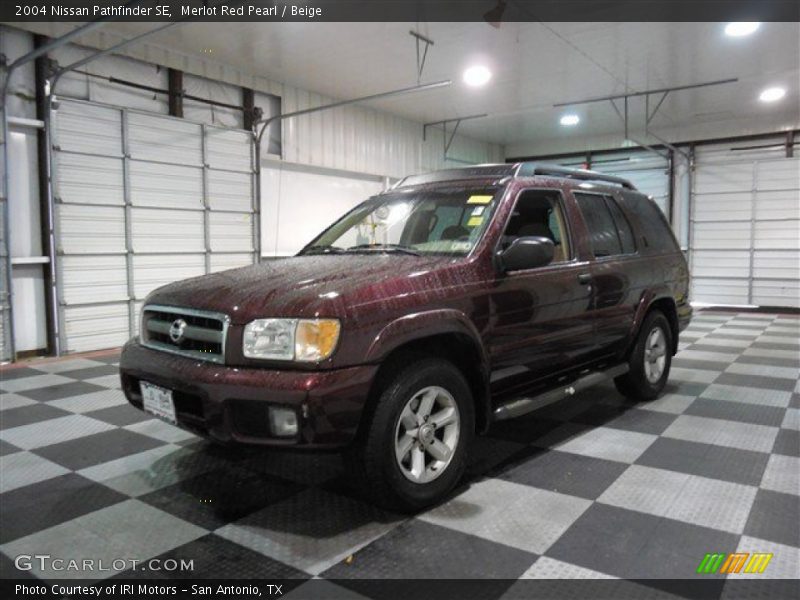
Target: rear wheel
[
  {"x": 650, "y": 360},
  {"x": 414, "y": 445}
]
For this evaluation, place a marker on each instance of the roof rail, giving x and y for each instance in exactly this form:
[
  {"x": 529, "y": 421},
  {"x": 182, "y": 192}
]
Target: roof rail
[
  {"x": 529, "y": 169},
  {"x": 472, "y": 172}
]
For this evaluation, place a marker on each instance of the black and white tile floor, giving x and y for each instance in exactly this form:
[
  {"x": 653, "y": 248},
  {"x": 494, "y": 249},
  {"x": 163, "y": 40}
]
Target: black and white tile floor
[{"x": 589, "y": 488}]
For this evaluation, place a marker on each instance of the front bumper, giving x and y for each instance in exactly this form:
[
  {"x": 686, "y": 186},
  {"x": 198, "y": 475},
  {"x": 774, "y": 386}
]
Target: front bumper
[{"x": 230, "y": 404}]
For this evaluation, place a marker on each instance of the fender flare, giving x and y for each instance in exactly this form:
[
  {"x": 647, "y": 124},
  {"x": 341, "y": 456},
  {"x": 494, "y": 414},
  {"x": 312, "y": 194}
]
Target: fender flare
[
  {"x": 649, "y": 297},
  {"x": 416, "y": 327}
]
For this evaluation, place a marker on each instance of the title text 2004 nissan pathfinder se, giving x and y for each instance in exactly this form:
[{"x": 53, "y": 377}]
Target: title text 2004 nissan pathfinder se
[{"x": 452, "y": 300}]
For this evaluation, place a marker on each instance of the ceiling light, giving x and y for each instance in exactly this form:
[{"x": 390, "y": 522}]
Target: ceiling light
[
  {"x": 477, "y": 75},
  {"x": 772, "y": 94},
  {"x": 741, "y": 29},
  {"x": 570, "y": 120}
]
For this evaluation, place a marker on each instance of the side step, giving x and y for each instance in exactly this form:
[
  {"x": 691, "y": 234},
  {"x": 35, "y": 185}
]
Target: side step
[{"x": 522, "y": 406}]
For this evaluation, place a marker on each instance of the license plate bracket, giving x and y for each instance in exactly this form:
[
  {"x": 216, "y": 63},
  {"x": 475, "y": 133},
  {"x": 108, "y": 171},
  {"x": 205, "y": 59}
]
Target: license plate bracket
[{"x": 158, "y": 401}]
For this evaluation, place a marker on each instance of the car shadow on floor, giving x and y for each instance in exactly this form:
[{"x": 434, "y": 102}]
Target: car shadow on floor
[{"x": 294, "y": 484}]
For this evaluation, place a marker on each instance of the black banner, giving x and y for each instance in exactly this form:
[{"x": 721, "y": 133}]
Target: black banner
[
  {"x": 402, "y": 589},
  {"x": 400, "y": 10}
]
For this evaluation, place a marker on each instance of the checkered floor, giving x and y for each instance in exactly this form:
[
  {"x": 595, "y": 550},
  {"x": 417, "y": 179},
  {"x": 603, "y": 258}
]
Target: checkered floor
[{"x": 587, "y": 488}]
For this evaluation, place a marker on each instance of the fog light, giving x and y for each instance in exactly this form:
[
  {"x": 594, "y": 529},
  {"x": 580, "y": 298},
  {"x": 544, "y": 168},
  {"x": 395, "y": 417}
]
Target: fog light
[{"x": 282, "y": 421}]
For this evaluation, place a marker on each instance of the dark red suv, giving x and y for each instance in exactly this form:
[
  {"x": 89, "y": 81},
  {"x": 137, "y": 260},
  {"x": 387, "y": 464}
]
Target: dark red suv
[{"x": 455, "y": 299}]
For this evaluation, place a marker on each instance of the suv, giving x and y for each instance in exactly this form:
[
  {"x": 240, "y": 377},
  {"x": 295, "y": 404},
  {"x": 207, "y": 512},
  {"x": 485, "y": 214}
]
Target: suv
[{"x": 453, "y": 300}]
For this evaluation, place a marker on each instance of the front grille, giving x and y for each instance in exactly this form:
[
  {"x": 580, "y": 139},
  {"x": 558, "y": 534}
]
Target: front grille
[{"x": 202, "y": 333}]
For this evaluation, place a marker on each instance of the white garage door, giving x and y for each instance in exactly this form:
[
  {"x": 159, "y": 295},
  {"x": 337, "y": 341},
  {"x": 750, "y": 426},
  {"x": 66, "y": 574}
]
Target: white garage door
[
  {"x": 142, "y": 200},
  {"x": 649, "y": 172},
  {"x": 745, "y": 225}
]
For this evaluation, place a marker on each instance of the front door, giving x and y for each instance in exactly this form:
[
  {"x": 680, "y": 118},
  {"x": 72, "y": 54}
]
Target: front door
[{"x": 540, "y": 318}]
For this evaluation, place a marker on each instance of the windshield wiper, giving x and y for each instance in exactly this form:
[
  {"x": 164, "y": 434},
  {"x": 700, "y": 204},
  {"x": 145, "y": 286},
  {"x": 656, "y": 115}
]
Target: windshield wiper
[
  {"x": 397, "y": 248},
  {"x": 323, "y": 249}
]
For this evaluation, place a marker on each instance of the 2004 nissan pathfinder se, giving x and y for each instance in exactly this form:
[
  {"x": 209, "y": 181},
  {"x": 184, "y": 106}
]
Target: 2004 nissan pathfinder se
[{"x": 455, "y": 299}]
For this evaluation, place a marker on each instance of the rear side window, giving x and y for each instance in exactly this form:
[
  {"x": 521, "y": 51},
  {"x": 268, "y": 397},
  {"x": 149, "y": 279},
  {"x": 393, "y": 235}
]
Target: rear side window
[
  {"x": 623, "y": 227},
  {"x": 655, "y": 234},
  {"x": 609, "y": 231}
]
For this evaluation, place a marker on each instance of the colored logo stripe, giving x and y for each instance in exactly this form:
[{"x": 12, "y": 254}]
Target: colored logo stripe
[
  {"x": 711, "y": 563},
  {"x": 734, "y": 563},
  {"x": 758, "y": 562}
]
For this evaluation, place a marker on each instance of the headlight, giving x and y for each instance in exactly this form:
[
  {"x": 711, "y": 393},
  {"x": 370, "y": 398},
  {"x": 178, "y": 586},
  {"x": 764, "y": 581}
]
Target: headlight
[{"x": 306, "y": 340}]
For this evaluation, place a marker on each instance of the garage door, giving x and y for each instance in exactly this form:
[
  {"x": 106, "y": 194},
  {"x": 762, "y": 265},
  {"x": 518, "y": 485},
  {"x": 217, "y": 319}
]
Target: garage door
[
  {"x": 744, "y": 235},
  {"x": 142, "y": 200},
  {"x": 649, "y": 172}
]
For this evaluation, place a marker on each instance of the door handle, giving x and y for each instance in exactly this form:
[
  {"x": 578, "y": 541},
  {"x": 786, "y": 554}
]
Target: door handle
[{"x": 584, "y": 278}]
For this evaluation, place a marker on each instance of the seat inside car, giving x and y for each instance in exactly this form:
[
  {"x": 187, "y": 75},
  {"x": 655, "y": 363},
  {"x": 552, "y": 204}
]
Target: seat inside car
[
  {"x": 533, "y": 216},
  {"x": 454, "y": 232}
]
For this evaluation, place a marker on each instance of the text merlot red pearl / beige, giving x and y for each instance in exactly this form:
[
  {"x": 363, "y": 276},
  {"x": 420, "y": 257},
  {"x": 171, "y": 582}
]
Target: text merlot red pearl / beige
[{"x": 250, "y": 10}]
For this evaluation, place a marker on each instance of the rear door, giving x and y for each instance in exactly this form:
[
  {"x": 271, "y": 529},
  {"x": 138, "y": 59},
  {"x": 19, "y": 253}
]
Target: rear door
[{"x": 617, "y": 270}]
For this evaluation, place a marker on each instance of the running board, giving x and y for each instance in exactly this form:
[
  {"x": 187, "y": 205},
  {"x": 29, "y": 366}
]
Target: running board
[{"x": 522, "y": 406}]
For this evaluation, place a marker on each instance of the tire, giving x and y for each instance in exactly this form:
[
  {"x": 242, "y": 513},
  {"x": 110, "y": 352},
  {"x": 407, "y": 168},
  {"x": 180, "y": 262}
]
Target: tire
[
  {"x": 648, "y": 374},
  {"x": 405, "y": 483}
]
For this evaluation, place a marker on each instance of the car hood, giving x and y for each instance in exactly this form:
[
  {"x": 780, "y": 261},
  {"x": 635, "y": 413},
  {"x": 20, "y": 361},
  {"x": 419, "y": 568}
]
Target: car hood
[{"x": 302, "y": 286}]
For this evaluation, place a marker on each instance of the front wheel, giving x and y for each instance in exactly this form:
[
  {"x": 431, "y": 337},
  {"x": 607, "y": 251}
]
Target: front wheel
[
  {"x": 650, "y": 360},
  {"x": 414, "y": 445}
]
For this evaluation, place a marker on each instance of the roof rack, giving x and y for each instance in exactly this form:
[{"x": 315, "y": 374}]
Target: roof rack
[
  {"x": 473, "y": 172},
  {"x": 498, "y": 171},
  {"x": 530, "y": 169}
]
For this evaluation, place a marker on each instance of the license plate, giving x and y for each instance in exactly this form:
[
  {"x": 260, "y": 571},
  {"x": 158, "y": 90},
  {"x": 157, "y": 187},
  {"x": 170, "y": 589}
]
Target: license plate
[{"x": 158, "y": 401}]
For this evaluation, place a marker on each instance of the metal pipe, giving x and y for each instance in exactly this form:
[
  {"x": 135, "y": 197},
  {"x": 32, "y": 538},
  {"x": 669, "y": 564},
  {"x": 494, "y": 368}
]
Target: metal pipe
[
  {"x": 7, "y": 304},
  {"x": 655, "y": 110},
  {"x": 79, "y": 63},
  {"x": 445, "y": 121},
  {"x": 671, "y": 189},
  {"x": 647, "y": 92},
  {"x": 157, "y": 90},
  {"x": 313, "y": 109},
  {"x": 669, "y": 145},
  {"x": 46, "y": 218},
  {"x": 648, "y": 147},
  {"x": 67, "y": 37}
]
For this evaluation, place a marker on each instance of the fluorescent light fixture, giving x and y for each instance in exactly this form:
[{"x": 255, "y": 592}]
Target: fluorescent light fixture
[
  {"x": 570, "y": 120},
  {"x": 741, "y": 29},
  {"x": 477, "y": 76},
  {"x": 772, "y": 94}
]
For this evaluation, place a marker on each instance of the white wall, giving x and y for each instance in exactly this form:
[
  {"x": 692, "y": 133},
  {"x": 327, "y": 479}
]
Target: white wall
[
  {"x": 25, "y": 236},
  {"x": 287, "y": 192},
  {"x": 765, "y": 123}
]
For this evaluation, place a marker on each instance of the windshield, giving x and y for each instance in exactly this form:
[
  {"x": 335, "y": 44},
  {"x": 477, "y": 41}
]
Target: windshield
[{"x": 444, "y": 221}]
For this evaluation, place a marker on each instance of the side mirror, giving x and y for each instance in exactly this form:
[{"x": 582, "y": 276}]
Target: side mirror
[{"x": 527, "y": 253}]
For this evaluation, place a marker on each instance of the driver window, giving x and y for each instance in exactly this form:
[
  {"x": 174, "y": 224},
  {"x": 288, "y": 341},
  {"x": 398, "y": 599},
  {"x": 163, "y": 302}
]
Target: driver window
[{"x": 538, "y": 213}]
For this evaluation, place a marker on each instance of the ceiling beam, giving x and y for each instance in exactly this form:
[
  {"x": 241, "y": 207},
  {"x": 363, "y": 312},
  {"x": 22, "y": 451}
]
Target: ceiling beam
[{"x": 648, "y": 92}]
